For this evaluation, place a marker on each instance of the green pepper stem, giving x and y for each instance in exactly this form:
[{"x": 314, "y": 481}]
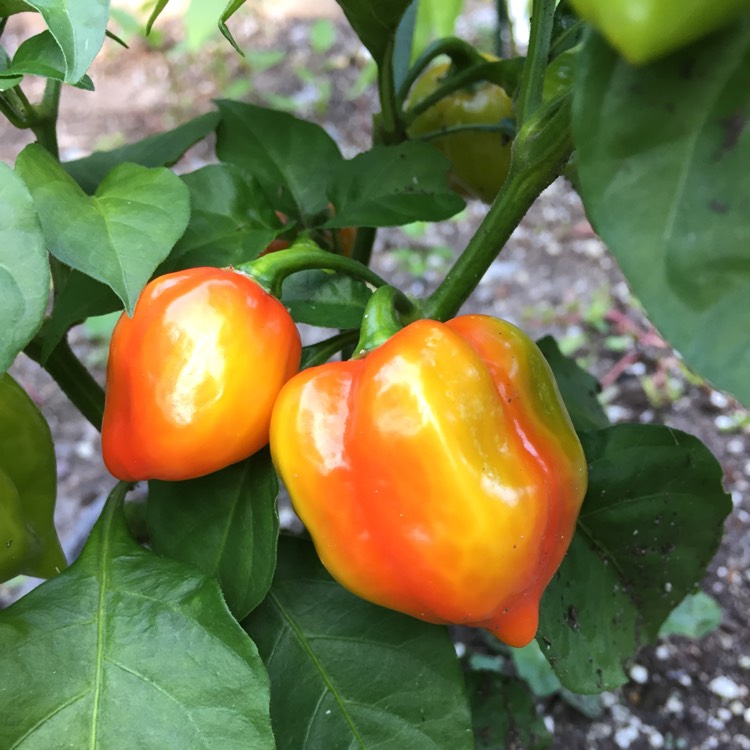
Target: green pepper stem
[
  {"x": 462, "y": 54},
  {"x": 320, "y": 353},
  {"x": 270, "y": 270},
  {"x": 532, "y": 77},
  {"x": 74, "y": 379},
  {"x": 44, "y": 126},
  {"x": 538, "y": 155},
  {"x": 387, "y": 312}
]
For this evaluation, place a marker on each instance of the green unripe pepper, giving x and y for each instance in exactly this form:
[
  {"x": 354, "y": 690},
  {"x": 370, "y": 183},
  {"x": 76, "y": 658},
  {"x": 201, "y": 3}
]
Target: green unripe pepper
[
  {"x": 28, "y": 484},
  {"x": 645, "y": 30}
]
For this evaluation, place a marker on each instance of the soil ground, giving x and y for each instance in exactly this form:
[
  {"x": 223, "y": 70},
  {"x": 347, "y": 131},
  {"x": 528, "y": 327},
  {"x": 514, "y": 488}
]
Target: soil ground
[{"x": 555, "y": 276}]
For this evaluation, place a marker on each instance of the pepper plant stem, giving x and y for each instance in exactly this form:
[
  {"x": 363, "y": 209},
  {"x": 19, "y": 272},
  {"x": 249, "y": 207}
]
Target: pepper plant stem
[
  {"x": 45, "y": 125},
  {"x": 539, "y": 153},
  {"x": 74, "y": 379},
  {"x": 271, "y": 270},
  {"x": 532, "y": 77}
]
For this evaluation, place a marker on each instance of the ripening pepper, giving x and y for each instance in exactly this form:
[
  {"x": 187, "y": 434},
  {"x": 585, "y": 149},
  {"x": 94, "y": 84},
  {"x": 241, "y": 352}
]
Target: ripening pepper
[
  {"x": 28, "y": 488},
  {"x": 645, "y": 30},
  {"x": 439, "y": 475},
  {"x": 479, "y": 160},
  {"x": 193, "y": 375}
]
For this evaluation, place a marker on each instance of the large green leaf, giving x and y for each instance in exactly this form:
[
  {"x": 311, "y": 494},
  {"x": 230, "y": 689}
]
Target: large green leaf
[
  {"x": 79, "y": 27},
  {"x": 160, "y": 150},
  {"x": 577, "y": 387},
  {"x": 80, "y": 297},
  {"x": 231, "y": 221},
  {"x": 119, "y": 235},
  {"x": 7, "y": 81},
  {"x": 24, "y": 268},
  {"x": 329, "y": 300},
  {"x": 292, "y": 159},
  {"x": 40, "y": 55},
  {"x": 651, "y": 521},
  {"x": 375, "y": 22},
  {"x": 393, "y": 185},
  {"x": 664, "y": 166},
  {"x": 225, "y": 523},
  {"x": 348, "y": 674},
  {"x": 125, "y": 650}
]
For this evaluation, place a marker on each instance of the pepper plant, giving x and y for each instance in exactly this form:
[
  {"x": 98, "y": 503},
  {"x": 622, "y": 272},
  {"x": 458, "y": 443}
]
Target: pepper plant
[{"x": 212, "y": 629}]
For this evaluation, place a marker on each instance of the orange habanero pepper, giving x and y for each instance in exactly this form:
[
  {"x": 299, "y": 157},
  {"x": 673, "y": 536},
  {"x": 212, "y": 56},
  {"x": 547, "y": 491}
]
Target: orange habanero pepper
[
  {"x": 440, "y": 475},
  {"x": 192, "y": 377}
]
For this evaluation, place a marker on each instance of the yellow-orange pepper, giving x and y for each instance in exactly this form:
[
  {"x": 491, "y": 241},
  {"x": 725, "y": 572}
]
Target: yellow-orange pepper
[
  {"x": 440, "y": 475},
  {"x": 192, "y": 377}
]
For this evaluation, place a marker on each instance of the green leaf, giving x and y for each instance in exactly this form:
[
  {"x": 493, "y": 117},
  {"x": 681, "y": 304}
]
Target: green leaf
[
  {"x": 232, "y": 7},
  {"x": 292, "y": 159},
  {"x": 664, "y": 166},
  {"x": 393, "y": 185},
  {"x": 7, "y": 82},
  {"x": 504, "y": 713},
  {"x": 24, "y": 268},
  {"x": 126, "y": 649},
  {"x": 119, "y": 235},
  {"x": 40, "y": 55},
  {"x": 80, "y": 297},
  {"x": 231, "y": 220},
  {"x": 161, "y": 150},
  {"x": 651, "y": 521},
  {"x": 346, "y": 673},
  {"x": 325, "y": 299},
  {"x": 375, "y": 23},
  {"x": 577, "y": 387},
  {"x": 697, "y": 615},
  {"x": 322, "y": 36},
  {"x": 10, "y": 7},
  {"x": 226, "y": 523},
  {"x": 532, "y": 667},
  {"x": 155, "y": 13},
  {"x": 78, "y": 27}
]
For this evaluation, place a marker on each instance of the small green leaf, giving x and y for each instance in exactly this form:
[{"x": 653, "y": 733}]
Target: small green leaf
[
  {"x": 669, "y": 143},
  {"x": 504, "y": 713},
  {"x": 118, "y": 236},
  {"x": 160, "y": 150},
  {"x": 651, "y": 521},
  {"x": 292, "y": 159},
  {"x": 78, "y": 27},
  {"x": 231, "y": 220},
  {"x": 155, "y": 13},
  {"x": 226, "y": 523},
  {"x": 126, "y": 649},
  {"x": 24, "y": 268},
  {"x": 577, "y": 387},
  {"x": 347, "y": 673},
  {"x": 696, "y": 615},
  {"x": 40, "y": 55},
  {"x": 232, "y": 7},
  {"x": 375, "y": 23},
  {"x": 391, "y": 186},
  {"x": 325, "y": 299}
]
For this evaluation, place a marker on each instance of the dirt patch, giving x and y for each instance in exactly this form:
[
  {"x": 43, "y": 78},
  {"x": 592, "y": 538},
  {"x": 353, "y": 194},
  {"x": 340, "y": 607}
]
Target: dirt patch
[{"x": 554, "y": 277}]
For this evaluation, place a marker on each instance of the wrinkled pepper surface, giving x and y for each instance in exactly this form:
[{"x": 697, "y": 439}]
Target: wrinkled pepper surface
[
  {"x": 439, "y": 475},
  {"x": 28, "y": 487},
  {"x": 193, "y": 375},
  {"x": 480, "y": 160}
]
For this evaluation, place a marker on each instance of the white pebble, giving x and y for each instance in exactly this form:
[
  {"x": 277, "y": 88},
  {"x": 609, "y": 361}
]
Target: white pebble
[
  {"x": 549, "y": 723},
  {"x": 746, "y": 716},
  {"x": 724, "y": 714},
  {"x": 744, "y": 661},
  {"x": 724, "y": 688},
  {"x": 674, "y": 706},
  {"x": 719, "y": 400},
  {"x": 626, "y": 736},
  {"x": 639, "y": 674},
  {"x": 737, "y": 708},
  {"x": 662, "y": 652},
  {"x": 736, "y": 446}
]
